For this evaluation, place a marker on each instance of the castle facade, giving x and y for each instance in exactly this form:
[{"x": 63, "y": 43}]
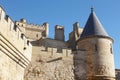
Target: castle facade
[{"x": 26, "y": 52}]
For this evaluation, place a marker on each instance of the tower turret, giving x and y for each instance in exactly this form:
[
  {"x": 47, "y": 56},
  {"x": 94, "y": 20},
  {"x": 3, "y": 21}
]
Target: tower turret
[
  {"x": 59, "y": 33},
  {"x": 98, "y": 46}
]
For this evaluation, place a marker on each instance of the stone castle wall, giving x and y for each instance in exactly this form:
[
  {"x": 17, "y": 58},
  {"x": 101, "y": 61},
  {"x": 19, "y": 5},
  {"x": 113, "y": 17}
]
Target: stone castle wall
[
  {"x": 47, "y": 42},
  {"x": 27, "y": 54},
  {"x": 15, "y": 50},
  {"x": 31, "y": 31},
  {"x": 47, "y": 64}
]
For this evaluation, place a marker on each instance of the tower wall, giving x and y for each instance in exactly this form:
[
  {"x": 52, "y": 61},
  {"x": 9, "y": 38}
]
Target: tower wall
[
  {"x": 46, "y": 32},
  {"x": 59, "y": 33},
  {"x": 99, "y": 58},
  {"x": 74, "y": 36}
]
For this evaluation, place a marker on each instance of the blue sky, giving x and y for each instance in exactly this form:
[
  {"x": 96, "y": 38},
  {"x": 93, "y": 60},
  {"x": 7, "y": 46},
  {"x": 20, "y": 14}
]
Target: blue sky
[{"x": 66, "y": 13}]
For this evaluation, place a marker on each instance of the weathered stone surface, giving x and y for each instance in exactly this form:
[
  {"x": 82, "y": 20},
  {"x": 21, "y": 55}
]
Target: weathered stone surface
[
  {"x": 27, "y": 54},
  {"x": 50, "y": 65},
  {"x": 15, "y": 54},
  {"x": 117, "y": 71}
]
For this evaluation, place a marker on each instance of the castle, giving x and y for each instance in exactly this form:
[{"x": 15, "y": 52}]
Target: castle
[{"x": 26, "y": 52}]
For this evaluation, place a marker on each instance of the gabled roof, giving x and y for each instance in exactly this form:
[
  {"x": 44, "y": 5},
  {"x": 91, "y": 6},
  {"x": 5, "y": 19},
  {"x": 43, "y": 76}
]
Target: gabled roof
[{"x": 93, "y": 26}]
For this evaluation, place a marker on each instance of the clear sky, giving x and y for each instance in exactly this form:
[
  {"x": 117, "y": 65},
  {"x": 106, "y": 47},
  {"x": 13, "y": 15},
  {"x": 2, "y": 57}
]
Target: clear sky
[{"x": 66, "y": 13}]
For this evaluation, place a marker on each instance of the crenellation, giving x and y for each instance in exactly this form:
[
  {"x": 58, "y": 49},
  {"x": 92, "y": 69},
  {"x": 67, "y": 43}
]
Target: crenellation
[
  {"x": 26, "y": 53},
  {"x": 53, "y": 52},
  {"x": 69, "y": 52},
  {"x": 31, "y": 31},
  {"x": 2, "y": 13},
  {"x": 37, "y": 27},
  {"x": 8, "y": 19},
  {"x": 48, "y": 49},
  {"x": 14, "y": 56},
  {"x": 24, "y": 23},
  {"x": 59, "y": 27},
  {"x": 23, "y": 20},
  {"x": 64, "y": 52}
]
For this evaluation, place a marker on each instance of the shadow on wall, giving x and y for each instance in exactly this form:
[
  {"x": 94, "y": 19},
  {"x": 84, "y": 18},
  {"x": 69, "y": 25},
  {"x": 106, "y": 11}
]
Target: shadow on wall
[
  {"x": 35, "y": 43},
  {"x": 79, "y": 65}
]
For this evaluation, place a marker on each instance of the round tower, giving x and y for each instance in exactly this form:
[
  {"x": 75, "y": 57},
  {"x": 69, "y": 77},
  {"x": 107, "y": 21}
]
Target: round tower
[{"x": 98, "y": 47}]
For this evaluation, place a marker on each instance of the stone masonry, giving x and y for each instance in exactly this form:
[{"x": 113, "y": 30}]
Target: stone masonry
[
  {"x": 15, "y": 51},
  {"x": 26, "y": 52}
]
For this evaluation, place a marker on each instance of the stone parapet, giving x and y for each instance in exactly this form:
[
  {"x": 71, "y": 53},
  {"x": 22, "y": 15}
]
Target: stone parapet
[
  {"x": 30, "y": 26},
  {"x": 53, "y": 52},
  {"x": 32, "y": 31},
  {"x": 15, "y": 49},
  {"x": 14, "y": 35}
]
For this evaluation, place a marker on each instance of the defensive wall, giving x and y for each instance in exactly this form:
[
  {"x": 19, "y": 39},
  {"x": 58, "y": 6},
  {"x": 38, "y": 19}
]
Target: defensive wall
[
  {"x": 15, "y": 49},
  {"x": 48, "y": 64},
  {"x": 49, "y": 51},
  {"x": 21, "y": 60},
  {"x": 32, "y": 31}
]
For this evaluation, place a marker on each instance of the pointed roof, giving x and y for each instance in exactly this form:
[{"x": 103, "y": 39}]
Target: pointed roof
[{"x": 93, "y": 26}]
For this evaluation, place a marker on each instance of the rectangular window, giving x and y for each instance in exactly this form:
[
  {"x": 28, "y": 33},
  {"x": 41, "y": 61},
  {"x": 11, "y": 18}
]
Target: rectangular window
[
  {"x": 111, "y": 50},
  {"x": 96, "y": 49}
]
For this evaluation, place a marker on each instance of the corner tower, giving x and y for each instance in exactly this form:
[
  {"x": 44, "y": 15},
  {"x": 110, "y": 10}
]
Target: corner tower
[{"x": 98, "y": 47}]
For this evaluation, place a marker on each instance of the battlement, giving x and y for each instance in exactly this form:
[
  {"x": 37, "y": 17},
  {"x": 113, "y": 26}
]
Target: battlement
[
  {"x": 2, "y": 13},
  {"x": 23, "y": 23},
  {"x": 58, "y": 27},
  {"x": 14, "y": 38},
  {"x": 59, "y": 33},
  {"x": 32, "y": 31},
  {"x": 55, "y": 53}
]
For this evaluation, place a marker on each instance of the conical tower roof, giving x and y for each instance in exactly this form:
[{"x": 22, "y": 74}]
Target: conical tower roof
[{"x": 93, "y": 26}]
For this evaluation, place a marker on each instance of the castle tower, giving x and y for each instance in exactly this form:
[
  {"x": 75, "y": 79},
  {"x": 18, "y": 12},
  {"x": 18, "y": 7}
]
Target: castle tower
[
  {"x": 98, "y": 46},
  {"x": 46, "y": 25},
  {"x": 74, "y": 36},
  {"x": 76, "y": 30},
  {"x": 59, "y": 33}
]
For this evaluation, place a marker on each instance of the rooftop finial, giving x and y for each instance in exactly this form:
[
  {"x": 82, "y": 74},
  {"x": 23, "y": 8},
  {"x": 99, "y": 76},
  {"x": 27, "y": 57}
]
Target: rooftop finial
[{"x": 92, "y": 9}]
